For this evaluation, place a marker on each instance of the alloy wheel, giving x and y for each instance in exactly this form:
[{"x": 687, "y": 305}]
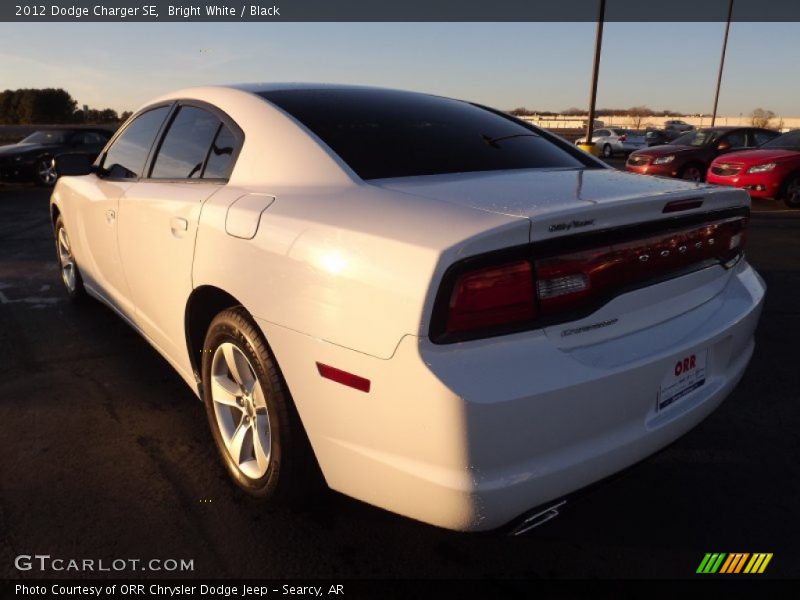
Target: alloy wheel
[
  {"x": 793, "y": 193},
  {"x": 46, "y": 171},
  {"x": 692, "y": 174},
  {"x": 240, "y": 409},
  {"x": 66, "y": 260}
]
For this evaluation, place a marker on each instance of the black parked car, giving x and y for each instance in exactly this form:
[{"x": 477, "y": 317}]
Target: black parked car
[
  {"x": 656, "y": 137},
  {"x": 32, "y": 158}
]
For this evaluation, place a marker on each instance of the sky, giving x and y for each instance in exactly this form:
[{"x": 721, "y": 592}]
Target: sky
[{"x": 542, "y": 66}]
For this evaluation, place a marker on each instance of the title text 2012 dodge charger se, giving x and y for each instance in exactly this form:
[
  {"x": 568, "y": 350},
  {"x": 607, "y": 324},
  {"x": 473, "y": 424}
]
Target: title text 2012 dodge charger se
[{"x": 455, "y": 315}]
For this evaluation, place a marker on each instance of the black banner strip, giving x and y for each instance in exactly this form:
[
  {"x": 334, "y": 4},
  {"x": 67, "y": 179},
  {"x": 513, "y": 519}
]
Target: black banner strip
[{"x": 399, "y": 11}]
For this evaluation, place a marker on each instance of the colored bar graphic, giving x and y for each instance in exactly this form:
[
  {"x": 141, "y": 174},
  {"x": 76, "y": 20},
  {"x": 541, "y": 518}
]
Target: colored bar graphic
[
  {"x": 727, "y": 564},
  {"x": 717, "y": 563},
  {"x": 749, "y": 567},
  {"x": 765, "y": 563},
  {"x": 733, "y": 563},
  {"x": 740, "y": 564},
  {"x": 711, "y": 562},
  {"x": 703, "y": 563},
  {"x": 730, "y": 564}
]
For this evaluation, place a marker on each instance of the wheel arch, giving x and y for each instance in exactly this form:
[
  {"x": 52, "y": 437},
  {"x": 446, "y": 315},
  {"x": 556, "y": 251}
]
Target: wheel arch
[
  {"x": 788, "y": 177},
  {"x": 55, "y": 212},
  {"x": 783, "y": 190},
  {"x": 204, "y": 303},
  {"x": 694, "y": 162}
]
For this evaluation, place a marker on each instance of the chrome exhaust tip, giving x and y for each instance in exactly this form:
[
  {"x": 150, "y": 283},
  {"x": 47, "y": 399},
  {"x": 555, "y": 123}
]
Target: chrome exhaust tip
[{"x": 539, "y": 518}]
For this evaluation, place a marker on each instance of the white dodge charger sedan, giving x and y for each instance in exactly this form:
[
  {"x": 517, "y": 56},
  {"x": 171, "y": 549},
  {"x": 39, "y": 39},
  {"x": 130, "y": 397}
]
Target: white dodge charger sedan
[{"x": 436, "y": 308}]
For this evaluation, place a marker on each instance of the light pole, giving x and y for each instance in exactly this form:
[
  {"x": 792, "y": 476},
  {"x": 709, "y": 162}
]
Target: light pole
[
  {"x": 722, "y": 62},
  {"x": 598, "y": 42}
]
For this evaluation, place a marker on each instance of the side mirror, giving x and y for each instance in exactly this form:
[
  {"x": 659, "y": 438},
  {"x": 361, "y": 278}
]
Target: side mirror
[
  {"x": 723, "y": 146},
  {"x": 73, "y": 164}
]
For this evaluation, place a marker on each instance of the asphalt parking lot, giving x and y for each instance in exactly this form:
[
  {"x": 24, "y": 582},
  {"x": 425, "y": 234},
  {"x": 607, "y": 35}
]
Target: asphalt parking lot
[{"x": 105, "y": 453}]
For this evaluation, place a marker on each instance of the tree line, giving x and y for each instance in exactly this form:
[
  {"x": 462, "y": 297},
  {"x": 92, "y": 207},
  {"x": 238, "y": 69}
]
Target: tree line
[{"x": 50, "y": 106}]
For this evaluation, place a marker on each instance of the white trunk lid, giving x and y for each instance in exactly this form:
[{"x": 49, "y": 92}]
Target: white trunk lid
[{"x": 565, "y": 202}]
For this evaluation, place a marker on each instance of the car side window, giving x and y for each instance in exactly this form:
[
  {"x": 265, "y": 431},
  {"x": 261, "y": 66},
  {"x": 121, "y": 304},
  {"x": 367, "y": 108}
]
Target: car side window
[
  {"x": 126, "y": 157},
  {"x": 762, "y": 137},
  {"x": 88, "y": 138},
  {"x": 186, "y": 144},
  {"x": 736, "y": 139},
  {"x": 220, "y": 158}
]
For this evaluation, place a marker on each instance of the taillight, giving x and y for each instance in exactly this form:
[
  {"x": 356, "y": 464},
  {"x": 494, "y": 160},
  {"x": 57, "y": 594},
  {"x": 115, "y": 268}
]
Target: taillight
[
  {"x": 578, "y": 281},
  {"x": 623, "y": 137},
  {"x": 513, "y": 295},
  {"x": 491, "y": 296}
]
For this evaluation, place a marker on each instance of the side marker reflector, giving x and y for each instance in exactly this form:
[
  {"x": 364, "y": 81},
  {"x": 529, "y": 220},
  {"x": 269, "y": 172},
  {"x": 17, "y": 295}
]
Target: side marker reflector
[{"x": 343, "y": 377}]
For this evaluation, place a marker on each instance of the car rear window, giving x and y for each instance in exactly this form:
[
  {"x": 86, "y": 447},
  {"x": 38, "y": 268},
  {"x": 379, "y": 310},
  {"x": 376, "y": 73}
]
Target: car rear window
[
  {"x": 698, "y": 137},
  {"x": 386, "y": 133},
  {"x": 789, "y": 141}
]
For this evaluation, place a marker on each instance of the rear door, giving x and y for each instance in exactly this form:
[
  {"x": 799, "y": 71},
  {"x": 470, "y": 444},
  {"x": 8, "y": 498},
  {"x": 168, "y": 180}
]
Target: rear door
[{"x": 159, "y": 216}]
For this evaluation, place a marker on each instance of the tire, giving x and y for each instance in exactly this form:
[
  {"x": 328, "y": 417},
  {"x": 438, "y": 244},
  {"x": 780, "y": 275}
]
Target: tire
[
  {"x": 692, "y": 172},
  {"x": 607, "y": 151},
  {"x": 68, "y": 266},
  {"x": 257, "y": 431},
  {"x": 790, "y": 191},
  {"x": 44, "y": 173}
]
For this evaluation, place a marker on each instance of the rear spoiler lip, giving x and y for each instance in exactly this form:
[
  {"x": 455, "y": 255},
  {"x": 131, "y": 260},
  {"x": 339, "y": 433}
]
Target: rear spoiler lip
[{"x": 622, "y": 233}]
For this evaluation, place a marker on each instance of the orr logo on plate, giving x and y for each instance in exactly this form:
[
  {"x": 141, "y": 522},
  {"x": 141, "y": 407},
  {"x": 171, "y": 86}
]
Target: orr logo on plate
[{"x": 686, "y": 375}]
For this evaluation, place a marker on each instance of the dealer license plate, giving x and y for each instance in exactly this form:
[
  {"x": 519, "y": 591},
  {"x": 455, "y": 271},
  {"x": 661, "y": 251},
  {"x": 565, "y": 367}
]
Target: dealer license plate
[{"x": 686, "y": 375}]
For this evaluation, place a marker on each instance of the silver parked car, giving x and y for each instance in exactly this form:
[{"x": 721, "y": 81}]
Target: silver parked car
[{"x": 616, "y": 141}]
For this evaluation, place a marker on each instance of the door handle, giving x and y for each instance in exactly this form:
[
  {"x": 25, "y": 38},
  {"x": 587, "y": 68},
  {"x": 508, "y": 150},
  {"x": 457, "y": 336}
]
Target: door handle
[
  {"x": 110, "y": 216},
  {"x": 178, "y": 225}
]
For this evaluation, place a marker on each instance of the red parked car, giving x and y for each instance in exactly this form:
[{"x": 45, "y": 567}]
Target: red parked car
[
  {"x": 689, "y": 156},
  {"x": 772, "y": 171}
]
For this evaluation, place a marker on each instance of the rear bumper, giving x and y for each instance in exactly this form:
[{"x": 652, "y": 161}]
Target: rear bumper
[
  {"x": 628, "y": 148},
  {"x": 470, "y": 436}
]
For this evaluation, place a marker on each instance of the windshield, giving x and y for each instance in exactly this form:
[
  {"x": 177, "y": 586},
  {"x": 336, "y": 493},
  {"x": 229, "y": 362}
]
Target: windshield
[
  {"x": 698, "y": 137},
  {"x": 790, "y": 141},
  {"x": 47, "y": 137},
  {"x": 386, "y": 133}
]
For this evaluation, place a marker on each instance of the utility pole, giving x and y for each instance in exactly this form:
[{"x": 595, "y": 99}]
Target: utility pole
[
  {"x": 722, "y": 61},
  {"x": 598, "y": 43}
]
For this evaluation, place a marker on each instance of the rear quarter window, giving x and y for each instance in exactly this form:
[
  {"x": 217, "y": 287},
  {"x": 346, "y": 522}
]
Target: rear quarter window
[{"x": 185, "y": 146}]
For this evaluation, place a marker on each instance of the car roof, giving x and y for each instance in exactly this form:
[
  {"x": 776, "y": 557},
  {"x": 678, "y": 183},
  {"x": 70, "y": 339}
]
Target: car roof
[
  {"x": 74, "y": 128},
  {"x": 259, "y": 88}
]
